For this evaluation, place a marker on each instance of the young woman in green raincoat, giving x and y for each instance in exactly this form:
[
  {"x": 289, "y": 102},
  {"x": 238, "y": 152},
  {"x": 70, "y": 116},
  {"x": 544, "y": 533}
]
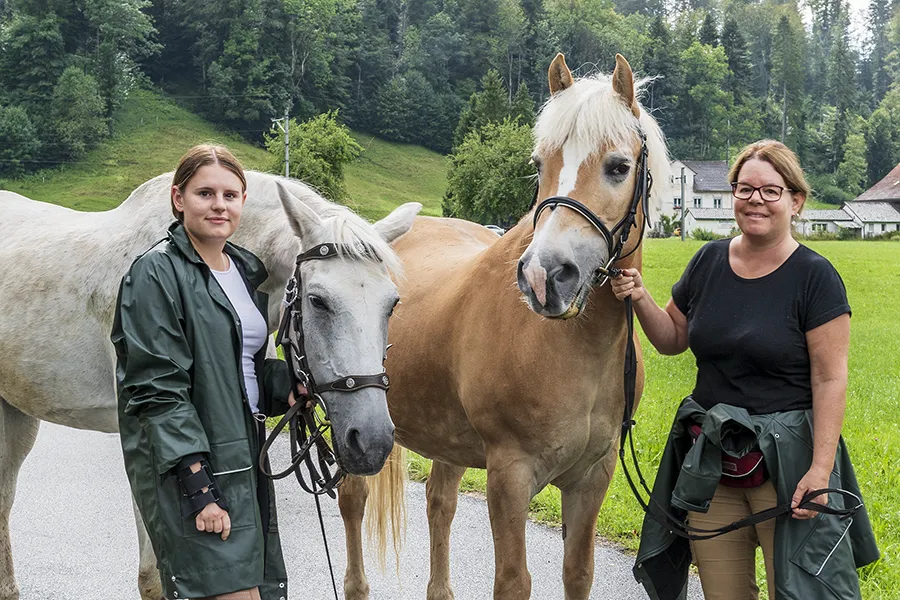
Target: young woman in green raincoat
[
  {"x": 190, "y": 334},
  {"x": 769, "y": 324}
]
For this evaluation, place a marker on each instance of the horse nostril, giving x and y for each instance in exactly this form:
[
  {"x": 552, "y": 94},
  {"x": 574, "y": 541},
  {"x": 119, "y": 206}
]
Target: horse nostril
[
  {"x": 355, "y": 442},
  {"x": 559, "y": 276}
]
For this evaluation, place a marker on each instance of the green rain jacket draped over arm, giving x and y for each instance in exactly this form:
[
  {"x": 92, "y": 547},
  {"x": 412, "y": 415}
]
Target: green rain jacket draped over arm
[
  {"x": 815, "y": 558},
  {"x": 181, "y": 392}
]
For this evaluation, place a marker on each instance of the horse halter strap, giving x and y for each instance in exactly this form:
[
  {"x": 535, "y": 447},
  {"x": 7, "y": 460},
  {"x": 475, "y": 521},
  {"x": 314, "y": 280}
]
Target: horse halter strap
[{"x": 617, "y": 237}]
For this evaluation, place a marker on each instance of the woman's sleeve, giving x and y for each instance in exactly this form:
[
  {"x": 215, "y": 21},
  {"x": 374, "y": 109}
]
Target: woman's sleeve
[
  {"x": 276, "y": 386},
  {"x": 155, "y": 360},
  {"x": 681, "y": 291},
  {"x": 825, "y": 298}
]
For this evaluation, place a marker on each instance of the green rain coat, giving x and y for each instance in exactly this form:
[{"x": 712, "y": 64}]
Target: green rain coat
[
  {"x": 814, "y": 559},
  {"x": 181, "y": 392}
]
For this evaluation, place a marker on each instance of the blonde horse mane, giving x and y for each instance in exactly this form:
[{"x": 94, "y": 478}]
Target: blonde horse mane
[{"x": 591, "y": 114}]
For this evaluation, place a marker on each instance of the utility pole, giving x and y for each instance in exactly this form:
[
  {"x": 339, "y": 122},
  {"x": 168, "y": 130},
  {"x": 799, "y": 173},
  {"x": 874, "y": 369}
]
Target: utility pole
[
  {"x": 284, "y": 124},
  {"x": 682, "y": 203}
]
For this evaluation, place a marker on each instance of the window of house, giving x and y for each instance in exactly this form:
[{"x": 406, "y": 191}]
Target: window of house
[
  {"x": 717, "y": 202},
  {"x": 698, "y": 202},
  {"x": 884, "y": 226},
  {"x": 819, "y": 227},
  {"x": 677, "y": 202}
]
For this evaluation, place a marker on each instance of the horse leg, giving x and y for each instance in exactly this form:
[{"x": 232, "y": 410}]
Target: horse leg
[
  {"x": 580, "y": 508},
  {"x": 18, "y": 432},
  {"x": 441, "y": 493},
  {"x": 352, "y": 496},
  {"x": 149, "y": 584},
  {"x": 510, "y": 486}
]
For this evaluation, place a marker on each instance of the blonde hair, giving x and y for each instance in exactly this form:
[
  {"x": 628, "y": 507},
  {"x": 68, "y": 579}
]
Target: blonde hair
[
  {"x": 200, "y": 156},
  {"x": 782, "y": 159}
]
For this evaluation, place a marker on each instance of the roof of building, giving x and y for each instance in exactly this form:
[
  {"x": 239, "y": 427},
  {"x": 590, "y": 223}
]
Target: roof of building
[
  {"x": 825, "y": 215},
  {"x": 886, "y": 189},
  {"x": 709, "y": 175},
  {"x": 874, "y": 212},
  {"x": 712, "y": 214}
]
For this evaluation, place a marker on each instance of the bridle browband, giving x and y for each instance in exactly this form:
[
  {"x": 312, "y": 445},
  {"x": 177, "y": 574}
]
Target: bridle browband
[
  {"x": 308, "y": 425},
  {"x": 615, "y": 239}
]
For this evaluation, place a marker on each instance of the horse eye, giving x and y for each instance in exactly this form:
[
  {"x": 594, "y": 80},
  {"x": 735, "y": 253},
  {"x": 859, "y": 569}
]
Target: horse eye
[
  {"x": 394, "y": 305},
  {"x": 618, "y": 169},
  {"x": 536, "y": 163},
  {"x": 317, "y": 302}
]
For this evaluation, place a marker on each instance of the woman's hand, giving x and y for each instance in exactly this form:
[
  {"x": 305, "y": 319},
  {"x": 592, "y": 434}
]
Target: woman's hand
[
  {"x": 214, "y": 519},
  {"x": 629, "y": 283},
  {"x": 815, "y": 479},
  {"x": 301, "y": 391}
]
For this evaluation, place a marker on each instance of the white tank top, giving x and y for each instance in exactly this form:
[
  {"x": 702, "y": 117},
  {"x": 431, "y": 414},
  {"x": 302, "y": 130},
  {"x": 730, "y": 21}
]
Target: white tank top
[{"x": 253, "y": 326}]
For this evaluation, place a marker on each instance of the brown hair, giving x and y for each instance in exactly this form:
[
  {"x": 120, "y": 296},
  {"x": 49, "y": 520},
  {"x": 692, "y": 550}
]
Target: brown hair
[
  {"x": 782, "y": 160},
  {"x": 200, "y": 156}
]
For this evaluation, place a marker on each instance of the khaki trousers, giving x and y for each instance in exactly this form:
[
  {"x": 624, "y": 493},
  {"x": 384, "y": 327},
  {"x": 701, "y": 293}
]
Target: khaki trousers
[
  {"x": 241, "y": 595},
  {"x": 727, "y": 563}
]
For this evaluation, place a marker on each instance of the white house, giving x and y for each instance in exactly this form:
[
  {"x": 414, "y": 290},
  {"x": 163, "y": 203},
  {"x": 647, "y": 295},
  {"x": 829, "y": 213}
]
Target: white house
[
  {"x": 825, "y": 221},
  {"x": 718, "y": 220},
  {"x": 707, "y": 195},
  {"x": 874, "y": 218}
]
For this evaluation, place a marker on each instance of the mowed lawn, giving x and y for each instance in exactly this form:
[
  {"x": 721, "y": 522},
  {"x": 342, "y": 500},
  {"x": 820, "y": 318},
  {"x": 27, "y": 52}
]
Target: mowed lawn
[{"x": 872, "y": 429}]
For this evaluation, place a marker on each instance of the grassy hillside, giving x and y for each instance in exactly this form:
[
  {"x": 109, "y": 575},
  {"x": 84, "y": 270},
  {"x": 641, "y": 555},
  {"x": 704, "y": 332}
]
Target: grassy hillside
[{"x": 152, "y": 133}]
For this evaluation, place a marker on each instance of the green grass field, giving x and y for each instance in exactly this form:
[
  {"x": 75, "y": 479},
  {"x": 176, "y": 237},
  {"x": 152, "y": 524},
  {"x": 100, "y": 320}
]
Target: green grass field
[
  {"x": 152, "y": 133},
  {"x": 872, "y": 426}
]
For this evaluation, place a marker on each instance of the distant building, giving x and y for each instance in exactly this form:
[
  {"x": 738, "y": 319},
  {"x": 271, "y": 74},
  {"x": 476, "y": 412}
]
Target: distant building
[
  {"x": 707, "y": 195},
  {"x": 886, "y": 190},
  {"x": 874, "y": 218},
  {"x": 825, "y": 221}
]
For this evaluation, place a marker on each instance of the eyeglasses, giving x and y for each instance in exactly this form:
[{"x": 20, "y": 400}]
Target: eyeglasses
[{"x": 769, "y": 193}]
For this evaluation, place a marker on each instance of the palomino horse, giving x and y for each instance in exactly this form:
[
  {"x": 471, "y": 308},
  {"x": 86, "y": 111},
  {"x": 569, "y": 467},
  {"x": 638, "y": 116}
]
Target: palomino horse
[
  {"x": 479, "y": 380},
  {"x": 61, "y": 271}
]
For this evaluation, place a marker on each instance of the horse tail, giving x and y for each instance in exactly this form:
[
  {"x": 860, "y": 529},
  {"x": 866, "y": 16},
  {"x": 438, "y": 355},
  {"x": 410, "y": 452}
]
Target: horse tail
[{"x": 387, "y": 502}]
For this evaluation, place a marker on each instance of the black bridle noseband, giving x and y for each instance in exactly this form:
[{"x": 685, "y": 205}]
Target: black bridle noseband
[{"x": 615, "y": 239}]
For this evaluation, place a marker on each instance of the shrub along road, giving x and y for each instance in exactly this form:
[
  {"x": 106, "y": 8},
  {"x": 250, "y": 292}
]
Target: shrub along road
[{"x": 74, "y": 538}]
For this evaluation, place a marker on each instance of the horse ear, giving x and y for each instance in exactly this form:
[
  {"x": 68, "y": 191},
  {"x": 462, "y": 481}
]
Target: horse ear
[
  {"x": 623, "y": 84},
  {"x": 559, "y": 74},
  {"x": 398, "y": 222},
  {"x": 301, "y": 217}
]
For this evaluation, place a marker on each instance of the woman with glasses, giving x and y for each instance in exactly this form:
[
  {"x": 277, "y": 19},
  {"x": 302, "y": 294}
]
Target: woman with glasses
[{"x": 768, "y": 322}]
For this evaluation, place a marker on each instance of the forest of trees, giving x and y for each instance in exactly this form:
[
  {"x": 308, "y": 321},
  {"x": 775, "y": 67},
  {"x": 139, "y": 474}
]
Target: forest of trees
[{"x": 729, "y": 71}]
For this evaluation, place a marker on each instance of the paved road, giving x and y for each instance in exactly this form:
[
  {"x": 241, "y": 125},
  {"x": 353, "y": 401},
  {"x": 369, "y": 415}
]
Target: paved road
[{"x": 74, "y": 538}]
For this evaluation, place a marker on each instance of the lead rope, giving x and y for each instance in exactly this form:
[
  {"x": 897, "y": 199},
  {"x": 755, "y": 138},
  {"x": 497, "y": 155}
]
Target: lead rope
[{"x": 325, "y": 542}]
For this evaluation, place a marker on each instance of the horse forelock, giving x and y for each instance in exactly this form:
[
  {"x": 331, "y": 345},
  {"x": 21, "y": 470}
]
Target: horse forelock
[
  {"x": 592, "y": 115},
  {"x": 356, "y": 237}
]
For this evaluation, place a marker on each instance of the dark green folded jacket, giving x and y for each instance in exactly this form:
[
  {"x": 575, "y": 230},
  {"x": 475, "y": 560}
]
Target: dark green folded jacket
[{"x": 815, "y": 558}]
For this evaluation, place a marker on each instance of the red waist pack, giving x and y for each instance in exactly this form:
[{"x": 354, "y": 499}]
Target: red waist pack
[{"x": 748, "y": 471}]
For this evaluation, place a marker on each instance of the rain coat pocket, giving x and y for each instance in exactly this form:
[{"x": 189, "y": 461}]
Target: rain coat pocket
[
  {"x": 828, "y": 543},
  {"x": 235, "y": 480}
]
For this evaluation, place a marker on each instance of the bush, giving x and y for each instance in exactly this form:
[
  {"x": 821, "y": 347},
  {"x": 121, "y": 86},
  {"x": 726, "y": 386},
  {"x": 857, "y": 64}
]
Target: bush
[
  {"x": 319, "y": 149},
  {"x": 490, "y": 178},
  {"x": 19, "y": 141},
  {"x": 77, "y": 112},
  {"x": 705, "y": 235}
]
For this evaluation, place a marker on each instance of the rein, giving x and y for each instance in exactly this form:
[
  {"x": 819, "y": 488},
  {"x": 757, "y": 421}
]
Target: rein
[
  {"x": 616, "y": 238},
  {"x": 306, "y": 424}
]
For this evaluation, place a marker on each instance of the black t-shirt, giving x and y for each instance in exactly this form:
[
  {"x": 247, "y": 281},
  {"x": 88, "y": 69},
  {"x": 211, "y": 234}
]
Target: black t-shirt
[{"x": 748, "y": 335}]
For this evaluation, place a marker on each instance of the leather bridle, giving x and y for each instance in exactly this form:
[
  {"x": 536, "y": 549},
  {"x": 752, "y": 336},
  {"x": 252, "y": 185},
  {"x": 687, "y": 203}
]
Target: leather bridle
[
  {"x": 617, "y": 237},
  {"x": 309, "y": 418}
]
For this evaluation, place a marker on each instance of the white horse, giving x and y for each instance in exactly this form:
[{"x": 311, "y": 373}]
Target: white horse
[{"x": 61, "y": 270}]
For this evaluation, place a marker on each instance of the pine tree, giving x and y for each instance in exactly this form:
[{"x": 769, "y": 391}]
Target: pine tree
[
  {"x": 708, "y": 34},
  {"x": 738, "y": 81}
]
